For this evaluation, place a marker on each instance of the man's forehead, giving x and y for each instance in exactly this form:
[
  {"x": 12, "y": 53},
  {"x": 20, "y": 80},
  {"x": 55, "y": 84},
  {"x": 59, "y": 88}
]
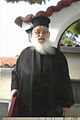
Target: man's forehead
[{"x": 40, "y": 28}]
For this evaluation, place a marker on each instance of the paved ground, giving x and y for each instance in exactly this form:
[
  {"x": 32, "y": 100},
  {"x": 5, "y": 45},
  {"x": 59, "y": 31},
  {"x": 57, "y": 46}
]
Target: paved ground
[
  {"x": 60, "y": 118},
  {"x": 75, "y": 110},
  {"x": 75, "y": 115}
]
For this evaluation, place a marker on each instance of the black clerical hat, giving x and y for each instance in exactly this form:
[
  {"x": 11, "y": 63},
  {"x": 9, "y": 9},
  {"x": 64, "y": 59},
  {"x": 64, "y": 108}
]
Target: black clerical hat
[{"x": 39, "y": 21}]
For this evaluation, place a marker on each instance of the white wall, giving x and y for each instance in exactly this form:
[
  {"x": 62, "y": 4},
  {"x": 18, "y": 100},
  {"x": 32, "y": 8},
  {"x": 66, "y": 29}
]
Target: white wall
[
  {"x": 59, "y": 22},
  {"x": 74, "y": 65},
  {"x": 62, "y": 19},
  {"x": 5, "y": 83}
]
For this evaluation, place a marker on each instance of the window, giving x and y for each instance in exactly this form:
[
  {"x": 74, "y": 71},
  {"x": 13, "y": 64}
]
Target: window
[{"x": 70, "y": 39}]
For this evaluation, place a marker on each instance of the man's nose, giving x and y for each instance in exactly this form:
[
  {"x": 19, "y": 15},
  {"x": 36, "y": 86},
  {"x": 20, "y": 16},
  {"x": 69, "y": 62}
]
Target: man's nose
[{"x": 41, "y": 34}]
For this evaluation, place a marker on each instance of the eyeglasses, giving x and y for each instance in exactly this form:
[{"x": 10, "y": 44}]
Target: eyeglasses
[{"x": 41, "y": 32}]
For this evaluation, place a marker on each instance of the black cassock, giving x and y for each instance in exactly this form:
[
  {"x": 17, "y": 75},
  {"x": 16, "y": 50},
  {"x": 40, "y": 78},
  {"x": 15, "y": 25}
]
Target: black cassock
[{"x": 43, "y": 82}]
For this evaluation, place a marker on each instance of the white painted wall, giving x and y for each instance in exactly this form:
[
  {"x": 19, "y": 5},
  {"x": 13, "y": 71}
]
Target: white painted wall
[
  {"x": 5, "y": 83},
  {"x": 62, "y": 19},
  {"x": 59, "y": 22},
  {"x": 74, "y": 65}
]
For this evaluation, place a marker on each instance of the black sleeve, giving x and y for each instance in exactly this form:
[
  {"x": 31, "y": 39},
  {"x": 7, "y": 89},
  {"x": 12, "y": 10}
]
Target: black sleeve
[
  {"x": 14, "y": 82},
  {"x": 66, "y": 86},
  {"x": 15, "y": 73}
]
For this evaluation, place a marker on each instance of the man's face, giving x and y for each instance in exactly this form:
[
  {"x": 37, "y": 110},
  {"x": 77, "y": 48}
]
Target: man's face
[{"x": 41, "y": 33}]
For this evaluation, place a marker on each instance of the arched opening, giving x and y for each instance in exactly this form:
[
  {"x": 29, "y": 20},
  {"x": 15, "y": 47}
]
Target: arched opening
[
  {"x": 69, "y": 44},
  {"x": 70, "y": 37}
]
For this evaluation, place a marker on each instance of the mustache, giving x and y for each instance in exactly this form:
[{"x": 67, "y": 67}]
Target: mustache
[{"x": 41, "y": 38}]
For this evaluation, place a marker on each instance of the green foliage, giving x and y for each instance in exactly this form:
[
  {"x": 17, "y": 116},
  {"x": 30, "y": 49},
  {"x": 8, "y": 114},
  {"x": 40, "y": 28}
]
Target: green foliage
[
  {"x": 75, "y": 28},
  {"x": 69, "y": 36},
  {"x": 67, "y": 42},
  {"x": 12, "y": 1},
  {"x": 17, "y": 56},
  {"x": 30, "y": 1},
  {"x": 37, "y": 1}
]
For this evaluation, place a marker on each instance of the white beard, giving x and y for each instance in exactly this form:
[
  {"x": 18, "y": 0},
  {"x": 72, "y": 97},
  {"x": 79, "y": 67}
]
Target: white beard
[{"x": 45, "y": 48}]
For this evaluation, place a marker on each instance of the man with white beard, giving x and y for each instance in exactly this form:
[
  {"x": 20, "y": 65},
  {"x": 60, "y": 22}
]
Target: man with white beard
[
  {"x": 40, "y": 40},
  {"x": 40, "y": 78}
]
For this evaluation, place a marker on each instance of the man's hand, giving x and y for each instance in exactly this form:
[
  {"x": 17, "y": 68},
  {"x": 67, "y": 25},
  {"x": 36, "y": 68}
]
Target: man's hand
[
  {"x": 14, "y": 92},
  {"x": 66, "y": 112}
]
